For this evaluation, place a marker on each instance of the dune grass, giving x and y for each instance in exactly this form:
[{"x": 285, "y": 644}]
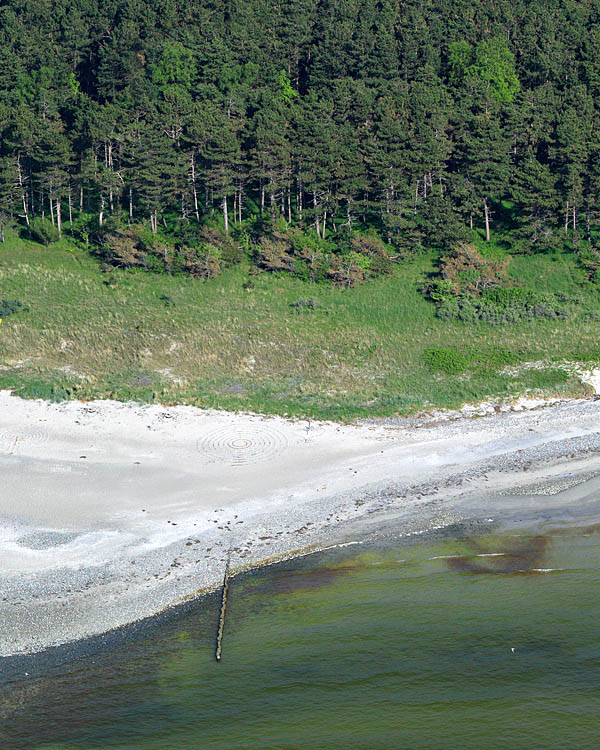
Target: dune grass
[{"x": 239, "y": 342}]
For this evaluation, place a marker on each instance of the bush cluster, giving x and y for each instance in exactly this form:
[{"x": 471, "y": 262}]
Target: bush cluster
[
  {"x": 202, "y": 252},
  {"x": 10, "y": 307},
  {"x": 205, "y": 251},
  {"x": 446, "y": 361},
  {"x": 349, "y": 261},
  {"x": 590, "y": 259},
  {"x": 497, "y": 306},
  {"x": 473, "y": 289},
  {"x": 464, "y": 270},
  {"x": 304, "y": 305}
]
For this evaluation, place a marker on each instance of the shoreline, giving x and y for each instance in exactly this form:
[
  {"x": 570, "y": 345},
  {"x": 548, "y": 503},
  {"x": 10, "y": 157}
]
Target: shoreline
[{"x": 111, "y": 513}]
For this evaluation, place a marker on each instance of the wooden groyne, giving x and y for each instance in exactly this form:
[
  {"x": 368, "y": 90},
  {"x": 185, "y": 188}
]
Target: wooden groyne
[{"x": 224, "y": 594}]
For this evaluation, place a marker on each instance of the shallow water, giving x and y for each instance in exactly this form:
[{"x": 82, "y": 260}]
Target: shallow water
[{"x": 450, "y": 642}]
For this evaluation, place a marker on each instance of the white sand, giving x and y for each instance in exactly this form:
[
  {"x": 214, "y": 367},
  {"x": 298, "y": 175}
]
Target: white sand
[{"x": 111, "y": 512}]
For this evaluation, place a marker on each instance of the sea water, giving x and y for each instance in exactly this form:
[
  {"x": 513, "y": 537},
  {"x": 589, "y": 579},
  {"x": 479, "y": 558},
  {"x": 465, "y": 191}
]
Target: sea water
[{"x": 447, "y": 642}]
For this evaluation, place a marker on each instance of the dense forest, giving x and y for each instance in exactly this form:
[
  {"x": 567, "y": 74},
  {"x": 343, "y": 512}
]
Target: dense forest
[{"x": 326, "y": 138}]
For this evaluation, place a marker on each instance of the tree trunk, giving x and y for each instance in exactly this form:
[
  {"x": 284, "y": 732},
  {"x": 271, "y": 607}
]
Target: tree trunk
[
  {"x": 289, "y": 205},
  {"x": 587, "y": 224},
  {"x": 225, "y": 216},
  {"x": 193, "y": 179},
  {"x": 262, "y": 197},
  {"x": 70, "y": 207},
  {"x": 81, "y": 186},
  {"x": 108, "y": 162},
  {"x": 486, "y": 214},
  {"x": 51, "y": 208},
  {"x": 240, "y": 202},
  {"x": 317, "y": 225},
  {"x": 101, "y": 214},
  {"x": 195, "y": 196},
  {"x": 58, "y": 217},
  {"x": 21, "y": 187},
  {"x": 567, "y": 219},
  {"x": 130, "y": 204}
]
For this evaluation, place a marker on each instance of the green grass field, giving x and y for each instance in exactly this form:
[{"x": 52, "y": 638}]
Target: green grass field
[{"x": 360, "y": 352}]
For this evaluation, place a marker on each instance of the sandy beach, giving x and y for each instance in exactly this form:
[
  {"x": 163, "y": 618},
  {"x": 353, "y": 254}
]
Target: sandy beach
[{"x": 113, "y": 512}]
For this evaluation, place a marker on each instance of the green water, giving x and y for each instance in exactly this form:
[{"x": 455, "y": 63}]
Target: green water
[{"x": 363, "y": 647}]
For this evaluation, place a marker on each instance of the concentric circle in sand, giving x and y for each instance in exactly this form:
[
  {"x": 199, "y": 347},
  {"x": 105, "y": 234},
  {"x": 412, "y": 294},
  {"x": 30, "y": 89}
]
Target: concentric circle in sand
[
  {"x": 237, "y": 446},
  {"x": 11, "y": 442}
]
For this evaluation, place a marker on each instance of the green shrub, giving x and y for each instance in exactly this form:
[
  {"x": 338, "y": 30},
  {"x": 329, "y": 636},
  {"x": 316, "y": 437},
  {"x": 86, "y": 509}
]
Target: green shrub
[
  {"x": 304, "y": 305},
  {"x": 43, "y": 231},
  {"x": 301, "y": 269},
  {"x": 504, "y": 305},
  {"x": 589, "y": 258},
  {"x": 10, "y": 307},
  {"x": 439, "y": 291},
  {"x": 447, "y": 361},
  {"x": 511, "y": 297}
]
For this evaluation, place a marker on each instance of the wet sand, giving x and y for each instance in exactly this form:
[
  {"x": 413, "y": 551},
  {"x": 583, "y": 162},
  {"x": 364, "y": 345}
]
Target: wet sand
[{"x": 111, "y": 512}]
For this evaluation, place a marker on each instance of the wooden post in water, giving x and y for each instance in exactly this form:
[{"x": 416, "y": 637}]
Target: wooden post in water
[{"x": 224, "y": 593}]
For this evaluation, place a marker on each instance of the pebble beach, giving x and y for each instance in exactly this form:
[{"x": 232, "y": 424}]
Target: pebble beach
[{"x": 111, "y": 513}]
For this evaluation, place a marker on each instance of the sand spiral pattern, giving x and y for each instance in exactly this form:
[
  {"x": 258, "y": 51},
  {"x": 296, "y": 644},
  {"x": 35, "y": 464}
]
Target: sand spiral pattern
[
  {"x": 244, "y": 445},
  {"x": 11, "y": 442}
]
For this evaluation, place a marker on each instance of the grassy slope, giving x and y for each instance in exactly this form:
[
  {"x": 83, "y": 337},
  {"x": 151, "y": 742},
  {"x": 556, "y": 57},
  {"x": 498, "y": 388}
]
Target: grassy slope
[{"x": 217, "y": 344}]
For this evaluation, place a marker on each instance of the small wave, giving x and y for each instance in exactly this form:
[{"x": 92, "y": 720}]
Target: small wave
[
  {"x": 458, "y": 557},
  {"x": 336, "y": 546},
  {"x": 444, "y": 557},
  {"x": 546, "y": 570}
]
